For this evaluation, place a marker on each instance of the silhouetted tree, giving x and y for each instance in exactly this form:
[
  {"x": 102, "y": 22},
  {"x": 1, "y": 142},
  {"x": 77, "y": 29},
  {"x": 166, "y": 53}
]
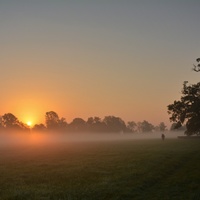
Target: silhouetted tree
[
  {"x": 145, "y": 126},
  {"x": 77, "y": 125},
  {"x": 90, "y": 121},
  {"x": 1, "y": 125},
  {"x": 95, "y": 124},
  {"x": 173, "y": 126},
  {"x": 187, "y": 109},
  {"x": 132, "y": 126},
  {"x": 162, "y": 126},
  {"x": 9, "y": 121},
  {"x": 39, "y": 127},
  {"x": 177, "y": 127},
  {"x": 62, "y": 124},
  {"x": 52, "y": 120},
  {"x": 23, "y": 126},
  {"x": 114, "y": 124},
  {"x": 197, "y": 66}
]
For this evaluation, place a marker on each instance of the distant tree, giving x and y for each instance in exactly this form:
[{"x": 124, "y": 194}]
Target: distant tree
[
  {"x": 90, "y": 121},
  {"x": 63, "y": 124},
  {"x": 162, "y": 126},
  {"x": 52, "y": 120},
  {"x": 132, "y": 126},
  {"x": 1, "y": 124},
  {"x": 145, "y": 126},
  {"x": 77, "y": 125},
  {"x": 97, "y": 120},
  {"x": 39, "y": 127},
  {"x": 95, "y": 124},
  {"x": 9, "y": 121},
  {"x": 187, "y": 109},
  {"x": 23, "y": 126},
  {"x": 114, "y": 124},
  {"x": 197, "y": 66}
]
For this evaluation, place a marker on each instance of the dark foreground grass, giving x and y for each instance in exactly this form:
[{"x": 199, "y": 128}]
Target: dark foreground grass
[{"x": 136, "y": 169}]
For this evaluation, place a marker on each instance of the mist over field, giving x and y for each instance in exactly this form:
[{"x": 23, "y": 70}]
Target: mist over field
[{"x": 53, "y": 138}]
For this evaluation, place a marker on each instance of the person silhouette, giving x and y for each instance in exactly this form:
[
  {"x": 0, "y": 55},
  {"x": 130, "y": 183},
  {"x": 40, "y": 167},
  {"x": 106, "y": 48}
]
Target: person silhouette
[{"x": 163, "y": 136}]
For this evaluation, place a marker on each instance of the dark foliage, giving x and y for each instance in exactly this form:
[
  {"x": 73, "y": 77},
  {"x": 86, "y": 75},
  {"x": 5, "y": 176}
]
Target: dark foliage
[
  {"x": 196, "y": 67},
  {"x": 53, "y": 122},
  {"x": 95, "y": 124},
  {"x": 187, "y": 109},
  {"x": 77, "y": 125},
  {"x": 114, "y": 124},
  {"x": 145, "y": 126},
  {"x": 9, "y": 121},
  {"x": 39, "y": 127}
]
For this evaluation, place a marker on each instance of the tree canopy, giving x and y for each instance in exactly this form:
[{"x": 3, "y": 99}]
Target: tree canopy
[
  {"x": 197, "y": 66},
  {"x": 9, "y": 121},
  {"x": 53, "y": 122},
  {"x": 187, "y": 109},
  {"x": 145, "y": 126}
]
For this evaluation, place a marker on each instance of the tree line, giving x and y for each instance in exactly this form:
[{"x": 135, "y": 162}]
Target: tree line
[{"x": 109, "y": 124}]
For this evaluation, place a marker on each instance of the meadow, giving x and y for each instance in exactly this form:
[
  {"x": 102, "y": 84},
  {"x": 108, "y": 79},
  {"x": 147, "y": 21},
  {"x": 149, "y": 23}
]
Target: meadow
[{"x": 113, "y": 169}]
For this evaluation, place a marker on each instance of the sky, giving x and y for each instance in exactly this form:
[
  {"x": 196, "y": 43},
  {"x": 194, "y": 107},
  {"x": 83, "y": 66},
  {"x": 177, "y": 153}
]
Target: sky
[{"x": 83, "y": 58}]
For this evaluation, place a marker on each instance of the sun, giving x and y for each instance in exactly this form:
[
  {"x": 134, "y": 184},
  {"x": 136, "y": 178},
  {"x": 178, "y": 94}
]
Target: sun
[{"x": 29, "y": 123}]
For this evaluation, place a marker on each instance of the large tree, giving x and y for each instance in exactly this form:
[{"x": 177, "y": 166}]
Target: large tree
[{"x": 187, "y": 109}]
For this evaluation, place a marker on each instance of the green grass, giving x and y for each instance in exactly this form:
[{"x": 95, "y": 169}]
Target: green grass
[{"x": 135, "y": 169}]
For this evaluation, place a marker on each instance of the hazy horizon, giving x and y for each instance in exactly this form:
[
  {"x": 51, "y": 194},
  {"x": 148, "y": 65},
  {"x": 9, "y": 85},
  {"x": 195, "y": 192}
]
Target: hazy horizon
[{"x": 56, "y": 138}]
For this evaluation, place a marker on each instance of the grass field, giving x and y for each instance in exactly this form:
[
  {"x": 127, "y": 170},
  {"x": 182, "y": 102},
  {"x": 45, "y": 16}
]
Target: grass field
[{"x": 128, "y": 169}]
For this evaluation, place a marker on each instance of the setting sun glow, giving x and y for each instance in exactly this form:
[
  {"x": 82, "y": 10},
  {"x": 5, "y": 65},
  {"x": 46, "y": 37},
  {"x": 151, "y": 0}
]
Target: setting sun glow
[{"x": 29, "y": 123}]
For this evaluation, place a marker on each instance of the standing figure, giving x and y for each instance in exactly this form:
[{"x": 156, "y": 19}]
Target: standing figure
[{"x": 163, "y": 136}]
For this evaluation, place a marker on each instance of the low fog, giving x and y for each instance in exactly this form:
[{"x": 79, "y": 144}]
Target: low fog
[{"x": 36, "y": 138}]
